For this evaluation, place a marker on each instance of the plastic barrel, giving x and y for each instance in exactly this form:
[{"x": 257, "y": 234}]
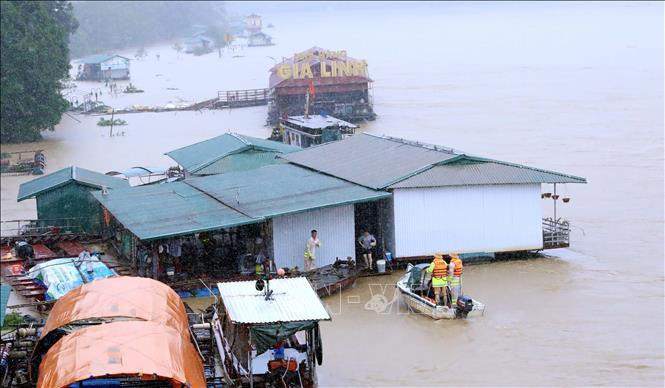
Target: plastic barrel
[{"x": 381, "y": 266}]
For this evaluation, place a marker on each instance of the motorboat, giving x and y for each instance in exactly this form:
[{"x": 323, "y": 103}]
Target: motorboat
[{"x": 415, "y": 289}]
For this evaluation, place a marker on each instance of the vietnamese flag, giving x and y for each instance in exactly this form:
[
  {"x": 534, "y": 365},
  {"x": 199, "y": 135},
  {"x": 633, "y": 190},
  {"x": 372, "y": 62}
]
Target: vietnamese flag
[{"x": 312, "y": 90}]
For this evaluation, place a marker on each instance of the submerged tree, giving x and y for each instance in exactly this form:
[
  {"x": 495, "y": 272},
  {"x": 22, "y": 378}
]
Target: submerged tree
[{"x": 35, "y": 61}]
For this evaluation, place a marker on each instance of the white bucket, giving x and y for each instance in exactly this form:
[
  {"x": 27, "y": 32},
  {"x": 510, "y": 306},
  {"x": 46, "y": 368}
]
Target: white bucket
[{"x": 381, "y": 266}]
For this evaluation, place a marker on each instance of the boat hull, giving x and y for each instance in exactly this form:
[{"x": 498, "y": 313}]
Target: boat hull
[{"x": 424, "y": 306}]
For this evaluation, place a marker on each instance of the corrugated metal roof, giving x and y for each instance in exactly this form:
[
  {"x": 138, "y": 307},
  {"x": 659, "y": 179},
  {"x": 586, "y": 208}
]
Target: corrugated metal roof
[
  {"x": 281, "y": 189},
  {"x": 64, "y": 176},
  {"x": 243, "y": 161},
  {"x": 221, "y": 201},
  {"x": 483, "y": 173},
  {"x": 318, "y": 122},
  {"x": 200, "y": 155},
  {"x": 99, "y": 58},
  {"x": 293, "y": 300},
  {"x": 368, "y": 160},
  {"x": 169, "y": 209}
]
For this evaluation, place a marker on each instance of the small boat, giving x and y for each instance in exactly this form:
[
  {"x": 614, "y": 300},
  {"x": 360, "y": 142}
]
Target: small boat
[{"x": 414, "y": 289}]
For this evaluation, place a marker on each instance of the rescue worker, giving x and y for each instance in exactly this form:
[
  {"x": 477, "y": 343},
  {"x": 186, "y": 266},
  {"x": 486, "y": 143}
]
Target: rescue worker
[
  {"x": 310, "y": 251},
  {"x": 455, "y": 276},
  {"x": 439, "y": 270}
]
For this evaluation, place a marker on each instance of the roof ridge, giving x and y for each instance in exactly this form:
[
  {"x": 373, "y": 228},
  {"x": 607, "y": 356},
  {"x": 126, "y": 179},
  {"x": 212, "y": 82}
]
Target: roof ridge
[{"x": 414, "y": 143}]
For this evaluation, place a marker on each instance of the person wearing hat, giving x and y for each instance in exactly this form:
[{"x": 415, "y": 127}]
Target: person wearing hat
[
  {"x": 439, "y": 270},
  {"x": 455, "y": 276}
]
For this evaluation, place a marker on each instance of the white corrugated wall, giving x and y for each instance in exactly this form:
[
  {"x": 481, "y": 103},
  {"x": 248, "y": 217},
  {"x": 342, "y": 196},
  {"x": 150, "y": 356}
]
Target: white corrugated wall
[
  {"x": 336, "y": 233},
  {"x": 483, "y": 218}
]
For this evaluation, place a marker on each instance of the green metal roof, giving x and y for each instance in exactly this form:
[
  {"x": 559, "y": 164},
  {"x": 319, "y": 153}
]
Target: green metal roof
[
  {"x": 200, "y": 155},
  {"x": 243, "y": 161},
  {"x": 382, "y": 162},
  {"x": 66, "y": 175},
  {"x": 5, "y": 290},
  {"x": 480, "y": 172},
  {"x": 99, "y": 58},
  {"x": 222, "y": 201},
  {"x": 169, "y": 209},
  {"x": 281, "y": 189}
]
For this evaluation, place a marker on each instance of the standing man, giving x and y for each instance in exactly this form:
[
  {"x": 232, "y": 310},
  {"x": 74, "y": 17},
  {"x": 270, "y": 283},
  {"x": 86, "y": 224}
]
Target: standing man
[
  {"x": 367, "y": 242},
  {"x": 439, "y": 271},
  {"x": 310, "y": 251},
  {"x": 455, "y": 276}
]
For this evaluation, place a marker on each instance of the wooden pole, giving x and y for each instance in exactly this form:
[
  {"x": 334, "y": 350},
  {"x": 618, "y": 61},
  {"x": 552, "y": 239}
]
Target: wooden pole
[{"x": 111, "y": 130}]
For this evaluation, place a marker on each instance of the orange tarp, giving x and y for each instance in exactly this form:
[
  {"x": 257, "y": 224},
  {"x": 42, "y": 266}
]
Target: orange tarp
[
  {"x": 125, "y": 296},
  {"x": 127, "y": 348}
]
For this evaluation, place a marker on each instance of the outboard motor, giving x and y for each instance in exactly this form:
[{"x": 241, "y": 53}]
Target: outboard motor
[{"x": 464, "y": 306}]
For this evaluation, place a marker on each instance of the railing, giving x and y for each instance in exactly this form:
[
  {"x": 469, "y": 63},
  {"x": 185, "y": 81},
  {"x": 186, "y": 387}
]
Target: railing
[
  {"x": 34, "y": 228},
  {"x": 556, "y": 233},
  {"x": 237, "y": 96}
]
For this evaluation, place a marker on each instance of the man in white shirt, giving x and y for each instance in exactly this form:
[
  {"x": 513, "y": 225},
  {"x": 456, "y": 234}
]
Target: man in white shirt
[{"x": 310, "y": 251}]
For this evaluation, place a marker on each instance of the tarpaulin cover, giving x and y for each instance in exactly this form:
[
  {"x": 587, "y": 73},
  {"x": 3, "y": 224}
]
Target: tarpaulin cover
[
  {"x": 129, "y": 348},
  {"x": 265, "y": 336},
  {"x": 62, "y": 275},
  {"x": 124, "y": 296}
]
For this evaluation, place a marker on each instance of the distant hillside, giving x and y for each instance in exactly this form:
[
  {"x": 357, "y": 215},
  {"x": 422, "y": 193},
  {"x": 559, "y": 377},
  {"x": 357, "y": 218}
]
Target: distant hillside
[{"x": 114, "y": 25}]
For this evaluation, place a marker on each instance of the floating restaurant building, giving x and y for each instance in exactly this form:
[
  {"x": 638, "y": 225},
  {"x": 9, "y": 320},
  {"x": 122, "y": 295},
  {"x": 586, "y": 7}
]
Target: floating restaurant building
[
  {"x": 243, "y": 197},
  {"x": 338, "y": 85}
]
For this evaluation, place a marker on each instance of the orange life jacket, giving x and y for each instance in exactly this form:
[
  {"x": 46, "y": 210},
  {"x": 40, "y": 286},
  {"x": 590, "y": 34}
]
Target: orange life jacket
[
  {"x": 440, "y": 268},
  {"x": 458, "y": 266}
]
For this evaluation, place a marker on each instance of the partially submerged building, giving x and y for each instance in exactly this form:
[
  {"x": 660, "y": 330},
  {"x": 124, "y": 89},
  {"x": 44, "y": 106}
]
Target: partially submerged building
[
  {"x": 306, "y": 131},
  {"x": 227, "y": 153},
  {"x": 198, "y": 44},
  {"x": 340, "y": 84},
  {"x": 259, "y": 39},
  {"x": 442, "y": 200},
  {"x": 64, "y": 201},
  {"x": 103, "y": 67}
]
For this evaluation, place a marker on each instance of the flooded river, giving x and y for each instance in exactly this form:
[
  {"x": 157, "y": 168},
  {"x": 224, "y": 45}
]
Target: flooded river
[{"x": 576, "y": 88}]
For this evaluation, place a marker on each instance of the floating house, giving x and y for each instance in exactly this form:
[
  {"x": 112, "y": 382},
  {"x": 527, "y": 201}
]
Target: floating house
[
  {"x": 198, "y": 43},
  {"x": 442, "y": 200},
  {"x": 227, "y": 153},
  {"x": 63, "y": 198},
  {"x": 306, "y": 131},
  {"x": 259, "y": 39},
  {"x": 280, "y": 204},
  {"x": 103, "y": 67},
  {"x": 338, "y": 85}
]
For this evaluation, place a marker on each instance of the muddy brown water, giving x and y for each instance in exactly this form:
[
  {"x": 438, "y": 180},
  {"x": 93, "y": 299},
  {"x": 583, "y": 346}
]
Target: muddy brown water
[{"x": 576, "y": 88}]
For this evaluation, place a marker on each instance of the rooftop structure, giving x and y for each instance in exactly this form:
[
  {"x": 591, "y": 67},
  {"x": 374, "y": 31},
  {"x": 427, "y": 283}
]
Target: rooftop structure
[
  {"x": 293, "y": 299},
  {"x": 67, "y": 175},
  {"x": 390, "y": 162},
  {"x": 228, "y": 152},
  {"x": 232, "y": 199}
]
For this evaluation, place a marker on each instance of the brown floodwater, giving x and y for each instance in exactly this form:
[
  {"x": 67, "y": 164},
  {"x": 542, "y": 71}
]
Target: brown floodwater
[{"x": 576, "y": 88}]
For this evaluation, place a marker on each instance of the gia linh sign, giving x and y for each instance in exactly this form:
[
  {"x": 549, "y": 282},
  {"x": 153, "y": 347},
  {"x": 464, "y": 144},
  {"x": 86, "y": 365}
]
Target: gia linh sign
[{"x": 332, "y": 64}]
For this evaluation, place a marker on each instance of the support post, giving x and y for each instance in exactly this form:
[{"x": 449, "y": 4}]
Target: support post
[
  {"x": 249, "y": 361},
  {"x": 554, "y": 197}
]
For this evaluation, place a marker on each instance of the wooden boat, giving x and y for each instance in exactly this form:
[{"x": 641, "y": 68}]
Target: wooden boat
[{"x": 414, "y": 289}]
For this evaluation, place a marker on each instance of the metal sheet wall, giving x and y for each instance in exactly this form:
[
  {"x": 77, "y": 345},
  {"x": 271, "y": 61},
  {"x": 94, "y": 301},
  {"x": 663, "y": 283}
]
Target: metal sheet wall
[
  {"x": 336, "y": 233},
  {"x": 483, "y": 218}
]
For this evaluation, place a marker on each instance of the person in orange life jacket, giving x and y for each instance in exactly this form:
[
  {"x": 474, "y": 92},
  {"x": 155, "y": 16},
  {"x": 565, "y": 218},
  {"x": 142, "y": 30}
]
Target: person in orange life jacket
[
  {"x": 439, "y": 270},
  {"x": 455, "y": 276}
]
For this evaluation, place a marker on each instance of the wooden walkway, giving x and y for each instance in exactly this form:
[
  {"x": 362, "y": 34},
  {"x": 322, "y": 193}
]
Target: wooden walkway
[{"x": 242, "y": 98}]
